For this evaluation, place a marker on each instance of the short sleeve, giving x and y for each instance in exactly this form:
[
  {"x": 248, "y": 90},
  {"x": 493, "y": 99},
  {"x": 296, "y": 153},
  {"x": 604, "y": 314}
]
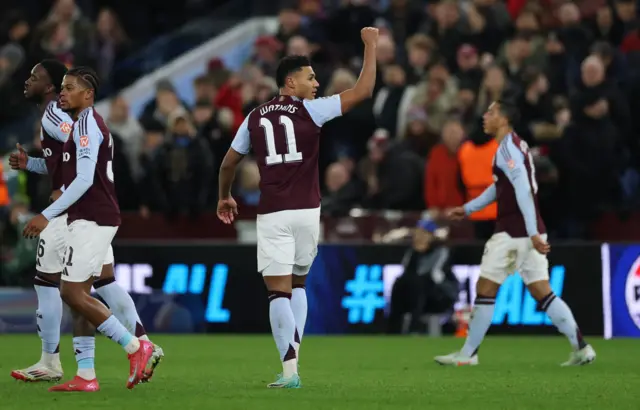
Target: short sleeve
[
  {"x": 88, "y": 138},
  {"x": 56, "y": 123},
  {"x": 323, "y": 110},
  {"x": 241, "y": 142}
]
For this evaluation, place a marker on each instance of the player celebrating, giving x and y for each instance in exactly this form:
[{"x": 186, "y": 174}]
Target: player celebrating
[
  {"x": 43, "y": 87},
  {"x": 519, "y": 243},
  {"x": 93, "y": 216},
  {"x": 284, "y": 134}
]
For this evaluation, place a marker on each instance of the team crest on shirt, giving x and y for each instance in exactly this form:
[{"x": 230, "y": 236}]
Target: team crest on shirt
[
  {"x": 84, "y": 141},
  {"x": 65, "y": 127}
]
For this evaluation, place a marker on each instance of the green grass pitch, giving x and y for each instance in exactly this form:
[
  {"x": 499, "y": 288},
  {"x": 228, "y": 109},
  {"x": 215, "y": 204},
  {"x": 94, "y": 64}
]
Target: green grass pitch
[{"x": 354, "y": 372}]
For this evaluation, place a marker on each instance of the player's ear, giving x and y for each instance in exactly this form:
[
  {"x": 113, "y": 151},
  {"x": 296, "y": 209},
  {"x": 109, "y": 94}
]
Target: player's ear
[{"x": 290, "y": 81}]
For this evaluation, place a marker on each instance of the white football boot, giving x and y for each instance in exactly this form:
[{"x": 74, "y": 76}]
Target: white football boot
[
  {"x": 457, "y": 359},
  {"x": 586, "y": 355}
]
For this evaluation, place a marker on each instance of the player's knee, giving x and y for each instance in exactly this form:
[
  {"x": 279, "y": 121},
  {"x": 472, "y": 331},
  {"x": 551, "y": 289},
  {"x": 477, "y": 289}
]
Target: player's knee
[
  {"x": 298, "y": 281},
  {"x": 487, "y": 287},
  {"x": 72, "y": 295},
  {"x": 539, "y": 289},
  {"x": 278, "y": 283}
]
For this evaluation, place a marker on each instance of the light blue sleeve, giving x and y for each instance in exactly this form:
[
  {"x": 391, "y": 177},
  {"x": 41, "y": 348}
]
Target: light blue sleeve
[
  {"x": 87, "y": 147},
  {"x": 37, "y": 165},
  {"x": 511, "y": 161},
  {"x": 241, "y": 142},
  {"x": 481, "y": 201},
  {"x": 323, "y": 110}
]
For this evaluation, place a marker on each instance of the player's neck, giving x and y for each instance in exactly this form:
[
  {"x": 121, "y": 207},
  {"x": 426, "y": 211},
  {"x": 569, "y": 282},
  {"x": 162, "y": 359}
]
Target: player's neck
[
  {"x": 503, "y": 132},
  {"x": 46, "y": 99}
]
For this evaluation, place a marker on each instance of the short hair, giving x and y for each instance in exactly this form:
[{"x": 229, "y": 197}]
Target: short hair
[
  {"x": 88, "y": 75},
  {"x": 56, "y": 72},
  {"x": 289, "y": 65},
  {"x": 509, "y": 109}
]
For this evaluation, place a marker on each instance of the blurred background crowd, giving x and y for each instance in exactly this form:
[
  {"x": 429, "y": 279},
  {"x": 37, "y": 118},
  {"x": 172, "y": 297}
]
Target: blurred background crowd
[{"x": 418, "y": 144}]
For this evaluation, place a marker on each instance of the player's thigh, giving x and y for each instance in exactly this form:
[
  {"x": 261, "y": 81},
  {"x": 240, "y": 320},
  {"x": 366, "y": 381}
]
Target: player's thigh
[
  {"x": 499, "y": 259},
  {"x": 87, "y": 245},
  {"x": 276, "y": 244},
  {"x": 306, "y": 235},
  {"x": 51, "y": 246},
  {"x": 535, "y": 266}
]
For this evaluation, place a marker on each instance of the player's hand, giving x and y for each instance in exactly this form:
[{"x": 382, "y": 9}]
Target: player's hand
[
  {"x": 540, "y": 244},
  {"x": 35, "y": 226},
  {"x": 227, "y": 210},
  {"x": 456, "y": 214},
  {"x": 18, "y": 160},
  {"x": 369, "y": 36},
  {"x": 55, "y": 195}
]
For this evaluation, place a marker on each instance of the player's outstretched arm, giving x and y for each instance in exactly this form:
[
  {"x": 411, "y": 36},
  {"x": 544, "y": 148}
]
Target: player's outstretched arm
[
  {"x": 367, "y": 79},
  {"x": 481, "y": 201}
]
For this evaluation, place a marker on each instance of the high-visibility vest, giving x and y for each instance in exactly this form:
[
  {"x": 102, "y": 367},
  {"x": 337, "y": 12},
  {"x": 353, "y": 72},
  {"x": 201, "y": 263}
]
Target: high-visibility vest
[
  {"x": 4, "y": 190},
  {"x": 476, "y": 170}
]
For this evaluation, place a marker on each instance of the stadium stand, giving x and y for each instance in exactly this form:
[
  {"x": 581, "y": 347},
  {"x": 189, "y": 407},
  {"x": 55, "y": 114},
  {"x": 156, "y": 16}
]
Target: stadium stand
[{"x": 572, "y": 66}]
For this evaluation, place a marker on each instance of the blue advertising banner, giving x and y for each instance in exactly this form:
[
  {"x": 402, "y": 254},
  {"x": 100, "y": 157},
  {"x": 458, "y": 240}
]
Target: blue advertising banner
[
  {"x": 621, "y": 290},
  {"x": 187, "y": 287}
]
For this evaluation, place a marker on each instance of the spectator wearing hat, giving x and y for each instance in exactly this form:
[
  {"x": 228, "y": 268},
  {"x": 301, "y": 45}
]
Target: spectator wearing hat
[{"x": 427, "y": 285}]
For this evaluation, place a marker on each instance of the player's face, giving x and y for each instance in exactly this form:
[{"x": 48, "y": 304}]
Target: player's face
[
  {"x": 492, "y": 119},
  {"x": 74, "y": 94},
  {"x": 38, "y": 84},
  {"x": 306, "y": 84}
]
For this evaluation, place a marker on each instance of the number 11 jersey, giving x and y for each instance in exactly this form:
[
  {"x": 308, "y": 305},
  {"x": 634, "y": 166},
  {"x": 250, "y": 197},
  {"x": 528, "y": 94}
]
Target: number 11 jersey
[{"x": 285, "y": 136}]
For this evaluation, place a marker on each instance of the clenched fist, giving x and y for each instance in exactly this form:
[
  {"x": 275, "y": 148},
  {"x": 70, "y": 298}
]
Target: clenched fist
[{"x": 369, "y": 36}]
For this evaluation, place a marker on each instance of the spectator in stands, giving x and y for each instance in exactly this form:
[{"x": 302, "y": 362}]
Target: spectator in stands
[
  {"x": 442, "y": 188},
  {"x": 448, "y": 30},
  {"x": 404, "y": 19},
  {"x": 267, "y": 54},
  {"x": 392, "y": 101},
  {"x": 290, "y": 25},
  {"x": 156, "y": 113},
  {"x": 248, "y": 188},
  {"x": 493, "y": 85},
  {"x": 626, "y": 11},
  {"x": 121, "y": 122},
  {"x": 591, "y": 142},
  {"x": 65, "y": 35},
  {"x": 342, "y": 191},
  {"x": 536, "y": 109},
  {"x": 607, "y": 27},
  {"x": 420, "y": 53},
  {"x": 186, "y": 167},
  {"x": 419, "y": 136},
  {"x": 393, "y": 175},
  {"x": 469, "y": 70},
  {"x": 112, "y": 45}
]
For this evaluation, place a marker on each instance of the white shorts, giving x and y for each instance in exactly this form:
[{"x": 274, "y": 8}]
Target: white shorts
[
  {"x": 504, "y": 255},
  {"x": 88, "y": 248},
  {"x": 287, "y": 241},
  {"x": 52, "y": 246}
]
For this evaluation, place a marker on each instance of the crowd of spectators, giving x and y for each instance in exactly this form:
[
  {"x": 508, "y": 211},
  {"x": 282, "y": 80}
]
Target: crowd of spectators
[{"x": 573, "y": 67}]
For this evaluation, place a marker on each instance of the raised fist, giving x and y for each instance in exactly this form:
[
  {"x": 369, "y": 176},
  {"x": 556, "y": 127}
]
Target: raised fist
[{"x": 369, "y": 35}]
